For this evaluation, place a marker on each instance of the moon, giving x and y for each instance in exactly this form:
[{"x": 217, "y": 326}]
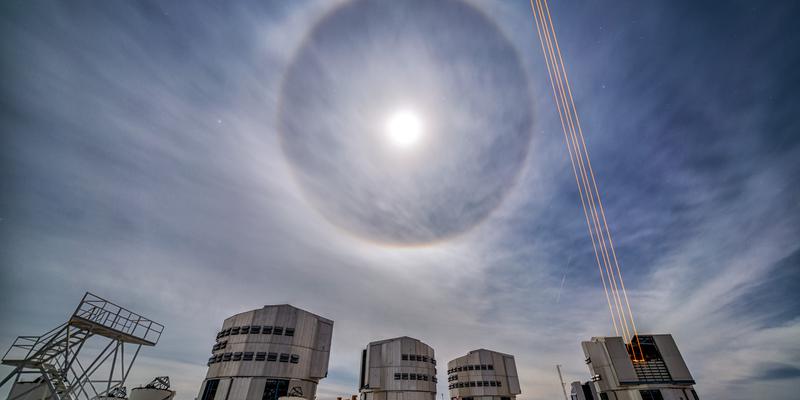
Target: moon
[{"x": 404, "y": 128}]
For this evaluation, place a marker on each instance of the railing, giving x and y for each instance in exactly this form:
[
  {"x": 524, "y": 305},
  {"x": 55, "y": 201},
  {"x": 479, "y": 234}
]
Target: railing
[
  {"x": 93, "y": 309},
  {"x": 22, "y": 347},
  {"x": 25, "y": 346},
  {"x": 107, "y": 314}
]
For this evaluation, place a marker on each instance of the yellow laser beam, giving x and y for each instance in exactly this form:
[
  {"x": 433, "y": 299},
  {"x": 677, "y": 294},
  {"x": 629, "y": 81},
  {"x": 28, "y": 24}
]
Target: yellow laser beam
[{"x": 594, "y": 211}]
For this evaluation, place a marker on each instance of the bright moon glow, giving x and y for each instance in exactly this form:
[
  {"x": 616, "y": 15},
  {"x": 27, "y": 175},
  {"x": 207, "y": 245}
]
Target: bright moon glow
[{"x": 404, "y": 128}]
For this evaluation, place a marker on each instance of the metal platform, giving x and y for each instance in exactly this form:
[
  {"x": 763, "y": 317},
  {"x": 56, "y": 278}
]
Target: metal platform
[
  {"x": 105, "y": 318},
  {"x": 54, "y": 357}
]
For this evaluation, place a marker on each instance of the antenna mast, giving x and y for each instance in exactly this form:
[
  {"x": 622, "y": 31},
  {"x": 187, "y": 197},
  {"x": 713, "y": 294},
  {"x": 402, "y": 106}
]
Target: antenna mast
[{"x": 561, "y": 379}]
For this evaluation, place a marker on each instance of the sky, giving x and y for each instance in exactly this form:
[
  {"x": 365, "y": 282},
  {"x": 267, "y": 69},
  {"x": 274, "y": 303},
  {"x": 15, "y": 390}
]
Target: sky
[{"x": 195, "y": 160}]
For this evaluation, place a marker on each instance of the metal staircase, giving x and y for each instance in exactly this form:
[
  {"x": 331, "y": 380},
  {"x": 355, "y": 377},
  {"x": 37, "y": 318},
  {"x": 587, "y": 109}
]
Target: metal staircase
[
  {"x": 56, "y": 379},
  {"x": 58, "y": 358}
]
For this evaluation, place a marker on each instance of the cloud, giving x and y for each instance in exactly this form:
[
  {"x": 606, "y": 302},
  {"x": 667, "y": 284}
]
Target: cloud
[{"x": 777, "y": 372}]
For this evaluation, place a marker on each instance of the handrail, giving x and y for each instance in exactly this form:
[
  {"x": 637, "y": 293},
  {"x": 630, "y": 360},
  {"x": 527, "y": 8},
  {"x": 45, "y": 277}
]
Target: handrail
[
  {"x": 103, "y": 312},
  {"x": 94, "y": 309},
  {"x": 31, "y": 344}
]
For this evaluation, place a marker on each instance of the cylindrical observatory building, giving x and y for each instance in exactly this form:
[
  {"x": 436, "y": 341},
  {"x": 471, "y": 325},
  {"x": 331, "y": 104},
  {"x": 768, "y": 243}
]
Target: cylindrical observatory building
[
  {"x": 268, "y": 353},
  {"x": 402, "y": 368},
  {"x": 483, "y": 375}
]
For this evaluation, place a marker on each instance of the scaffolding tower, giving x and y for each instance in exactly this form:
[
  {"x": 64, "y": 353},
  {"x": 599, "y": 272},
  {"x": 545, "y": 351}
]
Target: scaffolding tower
[{"x": 64, "y": 367}]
